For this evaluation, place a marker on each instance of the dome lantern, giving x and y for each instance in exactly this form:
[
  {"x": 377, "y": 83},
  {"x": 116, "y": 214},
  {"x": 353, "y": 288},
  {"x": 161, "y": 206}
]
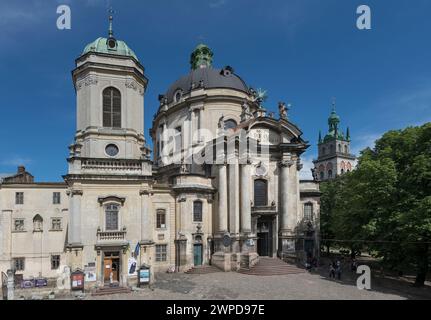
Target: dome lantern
[{"x": 201, "y": 57}]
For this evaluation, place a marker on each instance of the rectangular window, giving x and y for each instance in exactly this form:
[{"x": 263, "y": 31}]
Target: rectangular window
[
  {"x": 308, "y": 211},
  {"x": 19, "y": 264},
  {"x": 56, "y": 224},
  {"x": 197, "y": 211},
  {"x": 161, "y": 252},
  {"x": 161, "y": 219},
  {"x": 56, "y": 198},
  {"x": 55, "y": 262},
  {"x": 19, "y": 198},
  {"x": 19, "y": 225}
]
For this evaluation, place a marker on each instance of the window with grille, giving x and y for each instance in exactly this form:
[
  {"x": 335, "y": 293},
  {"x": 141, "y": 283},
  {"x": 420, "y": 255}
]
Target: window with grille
[
  {"x": 161, "y": 219},
  {"x": 19, "y": 264},
  {"x": 55, "y": 262},
  {"x": 56, "y": 198},
  {"x": 111, "y": 108},
  {"x": 56, "y": 224},
  {"x": 19, "y": 198},
  {"x": 19, "y": 225},
  {"x": 308, "y": 211},
  {"x": 197, "y": 211},
  {"x": 260, "y": 193},
  {"x": 161, "y": 252},
  {"x": 111, "y": 215}
]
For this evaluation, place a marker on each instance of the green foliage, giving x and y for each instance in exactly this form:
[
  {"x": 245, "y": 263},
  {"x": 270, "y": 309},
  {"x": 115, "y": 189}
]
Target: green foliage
[{"x": 386, "y": 200}]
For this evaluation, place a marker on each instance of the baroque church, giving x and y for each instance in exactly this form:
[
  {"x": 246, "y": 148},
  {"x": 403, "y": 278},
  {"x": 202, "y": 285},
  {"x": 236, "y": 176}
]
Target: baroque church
[{"x": 220, "y": 186}]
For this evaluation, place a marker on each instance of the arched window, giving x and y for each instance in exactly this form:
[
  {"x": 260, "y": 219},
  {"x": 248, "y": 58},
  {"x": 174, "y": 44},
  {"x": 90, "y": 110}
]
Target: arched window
[
  {"x": 37, "y": 223},
  {"x": 308, "y": 211},
  {"x": 329, "y": 174},
  {"x": 339, "y": 147},
  {"x": 322, "y": 175},
  {"x": 197, "y": 211},
  {"x": 111, "y": 108},
  {"x": 323, "y": 150},
  {"x": 346, "y": 150},
  {"x": 230, "y": 124},
  {"x": 111, "y": 217},
  {"x": 260, "y": 193}
]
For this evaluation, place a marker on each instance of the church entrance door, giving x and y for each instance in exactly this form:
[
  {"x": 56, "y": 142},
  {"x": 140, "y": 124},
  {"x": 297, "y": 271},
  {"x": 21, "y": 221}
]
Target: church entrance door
[
  {"x": 197, "y": 254},
  {"x": 264, "y": 237},
  {"x": 111, "y": 267}
]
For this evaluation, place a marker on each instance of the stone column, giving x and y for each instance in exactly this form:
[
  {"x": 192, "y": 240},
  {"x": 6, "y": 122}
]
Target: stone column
[
  {"x": 245, "y": 199},
  {"x": 10, "y": 284},
  {"x": 288, "y": 186},
  {"x": 234, "y": 201},
  {"x": 222, "y": 201}
]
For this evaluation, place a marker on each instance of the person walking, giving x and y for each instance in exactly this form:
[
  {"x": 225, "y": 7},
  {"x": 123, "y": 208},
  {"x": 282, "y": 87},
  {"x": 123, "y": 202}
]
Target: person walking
[
  {"x": 331, "y": 270},
  {"x": 338, "y": 270}
]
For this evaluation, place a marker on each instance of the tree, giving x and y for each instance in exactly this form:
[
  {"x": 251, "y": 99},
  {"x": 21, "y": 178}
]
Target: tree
[{"x": 387, "y": 200}]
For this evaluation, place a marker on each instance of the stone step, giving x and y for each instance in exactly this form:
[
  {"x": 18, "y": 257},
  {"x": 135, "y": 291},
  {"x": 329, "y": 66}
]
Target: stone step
[
  {"x": 271, "y": 267},
  {"x": 202, "y": 270},
  {"x": 110, "y": 290}
]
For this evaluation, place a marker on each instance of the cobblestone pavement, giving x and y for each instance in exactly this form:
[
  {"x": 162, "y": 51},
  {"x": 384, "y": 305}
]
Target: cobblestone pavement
[{"x": 305, "y": 286}]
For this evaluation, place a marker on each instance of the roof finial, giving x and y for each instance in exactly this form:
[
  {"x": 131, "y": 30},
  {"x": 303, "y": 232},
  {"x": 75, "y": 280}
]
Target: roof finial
[
  {"x": 334, "y": 102},
  {"x": 111, "y": 18}
]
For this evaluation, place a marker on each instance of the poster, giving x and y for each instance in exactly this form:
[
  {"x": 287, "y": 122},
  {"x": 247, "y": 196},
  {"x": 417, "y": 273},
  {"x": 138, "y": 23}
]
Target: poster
[
  {"x": 90, "y": 273},
  {"x": 144, "y": 276},
  {"x": 131, "y": 266}
]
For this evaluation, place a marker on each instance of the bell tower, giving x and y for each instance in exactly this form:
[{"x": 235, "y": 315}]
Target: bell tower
[
  {"x": 334, "y": 157},
  {"x": 110, "y": 84}
]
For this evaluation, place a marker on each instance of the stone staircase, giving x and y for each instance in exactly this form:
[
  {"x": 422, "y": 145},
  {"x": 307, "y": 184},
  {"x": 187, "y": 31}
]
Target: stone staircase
[
  {"x": 271, "y": 267},
  {"x": 204, "y": 269},
  {"x": 110, "y": 290}
]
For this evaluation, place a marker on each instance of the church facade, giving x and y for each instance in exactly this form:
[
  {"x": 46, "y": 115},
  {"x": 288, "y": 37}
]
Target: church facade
[{"x": 220, "y": 186}]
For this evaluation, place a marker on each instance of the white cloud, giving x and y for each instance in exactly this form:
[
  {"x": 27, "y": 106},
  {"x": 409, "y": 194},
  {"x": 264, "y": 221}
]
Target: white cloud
[
  {"x": 217, "y": 3},
  {"x": 305, "y": 173},
  {"x": 363, "y": 141},
  {"x": 15, "y": 161}
]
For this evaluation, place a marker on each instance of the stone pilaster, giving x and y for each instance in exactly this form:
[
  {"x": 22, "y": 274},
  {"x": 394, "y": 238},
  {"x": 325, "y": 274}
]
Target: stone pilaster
[
  {"x": 146, "y": 217},
  {"x": 222, "y": 200},
  {"x": 74, "y": 232}
]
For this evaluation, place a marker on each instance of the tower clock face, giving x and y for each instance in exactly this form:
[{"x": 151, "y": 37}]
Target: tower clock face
[{"x": 111, "y": 150}]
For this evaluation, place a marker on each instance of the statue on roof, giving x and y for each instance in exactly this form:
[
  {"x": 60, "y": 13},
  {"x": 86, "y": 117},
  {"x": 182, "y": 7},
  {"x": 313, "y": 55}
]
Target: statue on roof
[
  {"x": 282, "y": 109},
  {"x": 246, "y": 113}
]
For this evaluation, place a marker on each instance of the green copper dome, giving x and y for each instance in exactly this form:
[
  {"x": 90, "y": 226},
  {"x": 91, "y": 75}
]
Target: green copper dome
[
  {"x": 110, "y": 45},
  {"x": 334, "y": 131},
  {"x": 101, "y": 45}
]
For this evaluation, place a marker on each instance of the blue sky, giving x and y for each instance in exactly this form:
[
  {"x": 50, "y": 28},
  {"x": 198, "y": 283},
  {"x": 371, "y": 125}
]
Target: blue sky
[{"x": 301, "y": 51}]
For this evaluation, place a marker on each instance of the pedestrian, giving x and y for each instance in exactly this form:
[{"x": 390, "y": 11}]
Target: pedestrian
[
  {"x": 338, "y": 270},
  {"x": 354, "y": 265},
  {"x": 331, "y": 270}
]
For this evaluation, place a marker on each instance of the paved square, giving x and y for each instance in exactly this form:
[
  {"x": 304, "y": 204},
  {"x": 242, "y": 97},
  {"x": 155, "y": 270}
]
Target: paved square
[{"x": 231, "y": 285}]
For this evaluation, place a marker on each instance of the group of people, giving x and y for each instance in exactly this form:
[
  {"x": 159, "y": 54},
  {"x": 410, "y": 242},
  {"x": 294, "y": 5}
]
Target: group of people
[{"x": 335, "y": 270}]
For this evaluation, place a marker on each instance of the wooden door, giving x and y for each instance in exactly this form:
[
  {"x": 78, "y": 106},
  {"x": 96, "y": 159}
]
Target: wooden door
[{"x": 107, "y": 267}]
